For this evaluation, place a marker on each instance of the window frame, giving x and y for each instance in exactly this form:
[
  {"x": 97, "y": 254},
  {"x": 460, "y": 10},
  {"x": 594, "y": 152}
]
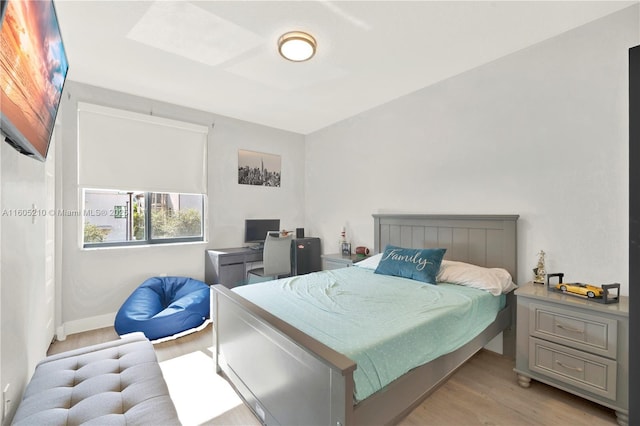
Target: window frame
[{"x": 147, "y": 223}]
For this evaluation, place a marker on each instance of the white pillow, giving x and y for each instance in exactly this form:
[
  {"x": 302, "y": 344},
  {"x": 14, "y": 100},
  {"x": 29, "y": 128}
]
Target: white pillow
[
  {"x": 493, "y": 280},
  {"x": 370, "y": 262}
]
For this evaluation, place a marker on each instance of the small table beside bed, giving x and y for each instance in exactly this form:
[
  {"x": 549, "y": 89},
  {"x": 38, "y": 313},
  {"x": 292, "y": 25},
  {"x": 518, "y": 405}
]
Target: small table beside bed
[{"x": 365, "y": 345}]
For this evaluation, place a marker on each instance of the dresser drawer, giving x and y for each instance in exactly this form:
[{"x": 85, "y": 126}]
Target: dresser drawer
[
  {"x": 589, "y": 333},
  {"x": 592, "y": 373}
]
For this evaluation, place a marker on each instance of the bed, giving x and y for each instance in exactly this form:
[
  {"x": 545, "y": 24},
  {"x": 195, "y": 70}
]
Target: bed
[{"x": 288, "y": 377}]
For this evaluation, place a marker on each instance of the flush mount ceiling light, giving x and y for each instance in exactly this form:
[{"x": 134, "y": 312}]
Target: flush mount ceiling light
[{"x": 297, "y": 46}]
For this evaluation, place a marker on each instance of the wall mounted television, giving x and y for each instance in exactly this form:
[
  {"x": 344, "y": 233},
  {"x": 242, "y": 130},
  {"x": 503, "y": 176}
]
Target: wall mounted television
[
  {"x": 33, "y": 69},
  {"x": 255, "y": 230}
]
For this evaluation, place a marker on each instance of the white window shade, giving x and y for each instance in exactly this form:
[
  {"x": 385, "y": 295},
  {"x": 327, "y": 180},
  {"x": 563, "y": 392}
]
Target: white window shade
[{"x": 120, "y": 149}]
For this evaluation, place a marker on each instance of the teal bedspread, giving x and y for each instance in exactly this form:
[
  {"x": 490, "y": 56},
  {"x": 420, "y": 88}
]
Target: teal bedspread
[{"x": 387, "y": 325}]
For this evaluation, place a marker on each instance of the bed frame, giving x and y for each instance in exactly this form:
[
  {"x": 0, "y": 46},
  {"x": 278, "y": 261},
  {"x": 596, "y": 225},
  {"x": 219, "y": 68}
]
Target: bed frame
[{"x": 286, "y": 377}]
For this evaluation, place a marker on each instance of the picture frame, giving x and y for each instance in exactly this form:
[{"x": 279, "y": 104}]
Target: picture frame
[
  {"x": 259, "y": 168},
  {"x": 345, "y": 249}
]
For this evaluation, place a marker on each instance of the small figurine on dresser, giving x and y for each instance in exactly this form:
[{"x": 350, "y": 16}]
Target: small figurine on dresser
[
  {"x": 606, "y": 293},
  {"x": 540, "y": 271}
]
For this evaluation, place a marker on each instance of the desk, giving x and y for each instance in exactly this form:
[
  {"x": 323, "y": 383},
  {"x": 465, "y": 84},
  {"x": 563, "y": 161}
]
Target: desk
[{"x": 228, "y": 266}]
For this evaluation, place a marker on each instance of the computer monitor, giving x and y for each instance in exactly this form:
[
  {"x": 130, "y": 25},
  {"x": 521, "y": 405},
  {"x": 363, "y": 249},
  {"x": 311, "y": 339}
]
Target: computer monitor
[{"x": 255, "y": 230}]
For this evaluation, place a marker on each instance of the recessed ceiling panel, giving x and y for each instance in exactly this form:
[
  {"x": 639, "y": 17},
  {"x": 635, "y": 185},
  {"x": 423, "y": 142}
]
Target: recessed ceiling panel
[
  {"x": 276, "y": 72},
  {"x": 189, "y": 31},
  {"x": 221, "y": 56}
]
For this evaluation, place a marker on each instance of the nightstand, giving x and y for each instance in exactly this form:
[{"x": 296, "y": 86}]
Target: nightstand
[
  {"x": 337, "y": 260},
  {"x": 574, "y": 344}
]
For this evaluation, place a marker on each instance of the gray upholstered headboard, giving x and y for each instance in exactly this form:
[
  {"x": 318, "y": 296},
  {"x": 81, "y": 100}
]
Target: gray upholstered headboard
[{"x": 485, "y": 240}]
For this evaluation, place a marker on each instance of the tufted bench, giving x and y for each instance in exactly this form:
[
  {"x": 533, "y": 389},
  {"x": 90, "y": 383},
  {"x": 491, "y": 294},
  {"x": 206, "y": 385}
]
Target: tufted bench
[{"x": 113, "y": 383}]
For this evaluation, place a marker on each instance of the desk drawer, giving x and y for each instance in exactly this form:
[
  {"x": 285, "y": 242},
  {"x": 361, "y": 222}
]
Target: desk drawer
[
  {"x": 231, "y": 259},
  {"x": 253, "y": 256},
  {"x": 592, "y": 373},
  {"x": 589, "y": 333}
]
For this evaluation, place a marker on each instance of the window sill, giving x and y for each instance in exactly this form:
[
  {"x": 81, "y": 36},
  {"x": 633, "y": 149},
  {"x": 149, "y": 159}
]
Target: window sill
[{"x": 139, "y": 246}]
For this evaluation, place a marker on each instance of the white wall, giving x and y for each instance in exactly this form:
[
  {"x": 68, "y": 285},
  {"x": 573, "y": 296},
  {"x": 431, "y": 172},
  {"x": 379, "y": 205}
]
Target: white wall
[
  {"x": 542, "y": 133},
  {"x": 231, "y": 203},
  {"x": 95, "y": 283},
  {"x": 2, "y": 383},
  {"x": 22, "y": 267}
]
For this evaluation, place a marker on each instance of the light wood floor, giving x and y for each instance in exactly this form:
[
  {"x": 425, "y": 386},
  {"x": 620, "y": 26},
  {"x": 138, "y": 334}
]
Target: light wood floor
[{"x": 484, "y": 391}]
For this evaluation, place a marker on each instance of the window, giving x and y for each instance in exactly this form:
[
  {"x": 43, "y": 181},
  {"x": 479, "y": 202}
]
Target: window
[
  {"x": 114, "y": 218},
  {"x": 125, "y": 149}
]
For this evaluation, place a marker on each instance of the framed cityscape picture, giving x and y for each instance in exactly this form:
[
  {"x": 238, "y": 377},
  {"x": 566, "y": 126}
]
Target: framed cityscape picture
[{"x": 258, "y": 168}]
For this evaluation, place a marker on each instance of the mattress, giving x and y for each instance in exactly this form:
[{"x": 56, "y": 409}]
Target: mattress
[{"x": 387, "y": 325}]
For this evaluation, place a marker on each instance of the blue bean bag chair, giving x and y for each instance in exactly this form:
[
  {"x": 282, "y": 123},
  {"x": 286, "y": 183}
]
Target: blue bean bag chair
[{"x": 164, "y": 306}]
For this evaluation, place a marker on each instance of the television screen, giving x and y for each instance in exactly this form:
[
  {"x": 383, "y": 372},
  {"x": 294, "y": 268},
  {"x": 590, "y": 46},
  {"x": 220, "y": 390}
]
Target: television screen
[
  {"x": 255, "y": 230},
  {"x": 33, "y": 69}
]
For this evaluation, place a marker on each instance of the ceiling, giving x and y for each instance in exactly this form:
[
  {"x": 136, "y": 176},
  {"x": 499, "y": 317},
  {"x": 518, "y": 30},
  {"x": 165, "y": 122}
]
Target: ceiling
[{"x": 221, "y": 56}]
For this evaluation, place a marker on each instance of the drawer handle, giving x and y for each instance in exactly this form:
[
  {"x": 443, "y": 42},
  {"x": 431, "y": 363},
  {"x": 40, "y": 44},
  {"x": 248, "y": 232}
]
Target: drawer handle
[
  {"x": 569, "y": 367},
  {"x": 571, "y": 329}
]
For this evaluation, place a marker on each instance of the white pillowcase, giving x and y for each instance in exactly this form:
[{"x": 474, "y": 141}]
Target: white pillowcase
[
  {"x": 493, "y": 280},
  {"x": 370, "y": 262}
]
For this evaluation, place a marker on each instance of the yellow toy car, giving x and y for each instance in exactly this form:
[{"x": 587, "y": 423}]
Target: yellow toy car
[{"x": 588, "y": 290}]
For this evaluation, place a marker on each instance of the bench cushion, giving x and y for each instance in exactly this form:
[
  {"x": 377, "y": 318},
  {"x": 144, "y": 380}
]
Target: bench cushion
[{"x": 114, "y": 383}]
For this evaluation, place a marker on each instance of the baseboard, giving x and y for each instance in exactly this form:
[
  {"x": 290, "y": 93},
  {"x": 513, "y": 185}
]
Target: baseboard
[{"x": 85, "y": 324}]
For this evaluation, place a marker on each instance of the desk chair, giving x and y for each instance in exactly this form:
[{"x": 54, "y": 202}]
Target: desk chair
[{"x": 276, "y": 259}]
